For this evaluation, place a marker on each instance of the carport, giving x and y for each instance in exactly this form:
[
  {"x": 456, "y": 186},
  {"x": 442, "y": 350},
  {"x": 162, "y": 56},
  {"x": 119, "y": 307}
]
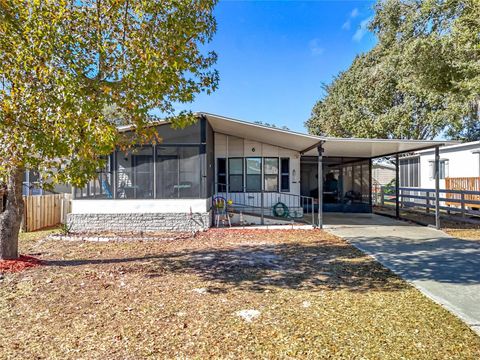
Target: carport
[{"x": 368, "y": 150}]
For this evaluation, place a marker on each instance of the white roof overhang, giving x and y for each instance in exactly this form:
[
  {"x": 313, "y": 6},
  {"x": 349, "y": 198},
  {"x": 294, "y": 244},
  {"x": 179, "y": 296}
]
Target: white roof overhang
[{"x": 307, "y": 144}]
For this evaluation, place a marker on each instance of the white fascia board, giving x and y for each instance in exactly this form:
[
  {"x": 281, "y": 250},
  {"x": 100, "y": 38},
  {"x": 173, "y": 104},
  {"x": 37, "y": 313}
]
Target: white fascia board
[{"x": 144, "y": 206}]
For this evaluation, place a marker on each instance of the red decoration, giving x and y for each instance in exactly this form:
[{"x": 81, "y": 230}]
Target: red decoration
[{"x": 20, "y": 264}]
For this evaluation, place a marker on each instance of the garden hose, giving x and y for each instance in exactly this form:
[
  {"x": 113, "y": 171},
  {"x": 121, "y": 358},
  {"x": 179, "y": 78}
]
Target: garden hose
[{"x": 280, "y": 210}]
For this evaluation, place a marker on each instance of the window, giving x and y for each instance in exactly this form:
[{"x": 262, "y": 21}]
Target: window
[
  {"x": 221, "y": 174},
  {"x": 443, "y": 170},
  {"x": 409, "y": 172},
  {"x": 253, "y": 168},
  {"x": 235, "y": 174},
  {"x": 285, "y": 174},
  {"x": 270, "y": 174}
]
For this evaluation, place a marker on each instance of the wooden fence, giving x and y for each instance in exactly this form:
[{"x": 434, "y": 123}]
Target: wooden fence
[
  {"x": 463, "y": 183},
  {"x": 42, "y": 211}
]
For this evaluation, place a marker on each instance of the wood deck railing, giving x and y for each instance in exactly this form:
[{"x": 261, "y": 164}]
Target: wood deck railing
[
  {"x": 451, "y": 201},
  {"x": 463, "y": 183}
]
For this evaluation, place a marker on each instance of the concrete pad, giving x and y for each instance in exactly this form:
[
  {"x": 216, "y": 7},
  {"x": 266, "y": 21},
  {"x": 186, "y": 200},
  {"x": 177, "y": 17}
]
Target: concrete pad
[{"x": 445, "y": 269}]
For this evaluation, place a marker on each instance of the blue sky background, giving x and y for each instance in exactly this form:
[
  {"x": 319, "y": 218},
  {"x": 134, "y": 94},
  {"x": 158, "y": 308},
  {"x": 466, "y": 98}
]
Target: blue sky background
[{"x": 273, "y": 56}]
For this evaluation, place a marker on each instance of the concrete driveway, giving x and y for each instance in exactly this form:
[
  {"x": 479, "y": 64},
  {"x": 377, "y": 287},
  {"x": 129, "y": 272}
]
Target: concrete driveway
[{"x": 443, "y": 268}]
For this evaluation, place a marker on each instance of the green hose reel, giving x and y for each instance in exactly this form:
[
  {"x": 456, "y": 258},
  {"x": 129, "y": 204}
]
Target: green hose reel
[{"x": 280, "y": 210}]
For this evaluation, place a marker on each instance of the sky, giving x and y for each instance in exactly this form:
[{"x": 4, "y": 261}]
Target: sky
[{"x": 273, "y": 56}]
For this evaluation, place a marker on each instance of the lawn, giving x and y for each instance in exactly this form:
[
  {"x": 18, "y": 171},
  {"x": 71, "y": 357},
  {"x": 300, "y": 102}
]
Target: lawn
[{"x": 308, "y": 294}]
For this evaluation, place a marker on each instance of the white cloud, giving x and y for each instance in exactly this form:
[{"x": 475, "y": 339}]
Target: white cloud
[
  {"x": 348, "y": 23},
  {"x": 315, "y": 47},
  {"x": 362, "y": 29}
]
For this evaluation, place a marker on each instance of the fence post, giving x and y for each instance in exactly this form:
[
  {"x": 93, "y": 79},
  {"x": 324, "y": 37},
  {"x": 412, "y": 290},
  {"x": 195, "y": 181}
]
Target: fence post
[
  {"x": 62, "y": 210},
  {"x": 437, "y": 187},
  {"x": 427, "y": 202},
  {"x": 382, "y": 195},
  {"x": 462, "y": 204},
  {"x": 397, "y": 187}
]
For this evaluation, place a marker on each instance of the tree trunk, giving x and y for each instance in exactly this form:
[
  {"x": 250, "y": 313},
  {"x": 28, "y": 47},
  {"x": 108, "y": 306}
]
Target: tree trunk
[{"x": 11, "y": 217}]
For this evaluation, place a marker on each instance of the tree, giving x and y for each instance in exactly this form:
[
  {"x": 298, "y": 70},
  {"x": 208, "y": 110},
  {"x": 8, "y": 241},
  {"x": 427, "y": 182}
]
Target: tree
[
  {"x": 64, "y": 62},
  {"x": 421, "y": 80},
  {"x": 438, "y": 42},
  {"x": 368, "y": 101},
  {"x": 272, "y": 125}
]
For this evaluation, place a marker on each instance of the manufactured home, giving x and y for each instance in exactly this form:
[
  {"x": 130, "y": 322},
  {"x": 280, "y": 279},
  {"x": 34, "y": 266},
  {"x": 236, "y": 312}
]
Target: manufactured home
[
  {"x": 267, "y": 175},
  {"x": 458, "y": 161}
]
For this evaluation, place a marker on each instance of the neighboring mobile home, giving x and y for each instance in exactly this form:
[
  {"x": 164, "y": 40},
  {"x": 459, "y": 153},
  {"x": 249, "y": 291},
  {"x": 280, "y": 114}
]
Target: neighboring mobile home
[
  {"x": 456, "y": 161},
  {"x": 270, "y": 175},
  {"x": 32, "y": 185},
  {"x": 383, "y": 173}
]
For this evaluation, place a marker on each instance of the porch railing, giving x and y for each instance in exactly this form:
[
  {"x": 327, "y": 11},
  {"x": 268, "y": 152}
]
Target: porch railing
[
  {"x": 269, "y": 204},
  {"x": 463, "y": 202}
]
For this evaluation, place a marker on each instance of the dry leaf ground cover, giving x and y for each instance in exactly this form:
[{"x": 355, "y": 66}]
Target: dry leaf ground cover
[
  {"x": 311, "y": 295},
  {"x": 465, "y": 234}
]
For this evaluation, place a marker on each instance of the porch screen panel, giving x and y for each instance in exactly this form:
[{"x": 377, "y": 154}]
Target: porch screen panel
[
  {"x": 357, "y": 180},
  {"x": 125, "y": 184},
  {"x": 178, "y": 172},
  {"x": 135, "y": 173},
  {"x": 101, "y": 187},
  {"x": 143, "y": 173},
  {"x": 167, "y": 172},
  {"x": 356, "y": 183},
  {"x": 366, "y": 182},
  {"x": 189, "y": 172}
]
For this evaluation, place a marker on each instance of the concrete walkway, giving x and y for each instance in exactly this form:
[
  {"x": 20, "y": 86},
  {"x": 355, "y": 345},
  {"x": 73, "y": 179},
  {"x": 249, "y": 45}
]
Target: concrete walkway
[{"x": 444, "y": 268}]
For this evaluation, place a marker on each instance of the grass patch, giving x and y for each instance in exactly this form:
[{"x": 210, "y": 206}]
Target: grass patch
[
  {"x": 313, "y": 296},
  {"x": 38, "y": 235}
]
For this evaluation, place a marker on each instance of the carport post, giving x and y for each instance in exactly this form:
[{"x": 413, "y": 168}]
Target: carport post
[
  {"x": 397, "y": 186},
  {"x": 320, "y": 184},
  {"x": 437, "y": 187}
]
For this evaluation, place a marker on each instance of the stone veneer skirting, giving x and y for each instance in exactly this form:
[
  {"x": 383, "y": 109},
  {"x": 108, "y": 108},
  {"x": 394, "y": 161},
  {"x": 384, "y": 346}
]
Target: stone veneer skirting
[{"x": 145, "y": 222}]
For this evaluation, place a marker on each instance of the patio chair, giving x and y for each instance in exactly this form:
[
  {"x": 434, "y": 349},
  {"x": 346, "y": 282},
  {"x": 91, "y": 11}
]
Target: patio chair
[
  {"x": 220, "y": 211},
  {"x": 106, "y": 189}
]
